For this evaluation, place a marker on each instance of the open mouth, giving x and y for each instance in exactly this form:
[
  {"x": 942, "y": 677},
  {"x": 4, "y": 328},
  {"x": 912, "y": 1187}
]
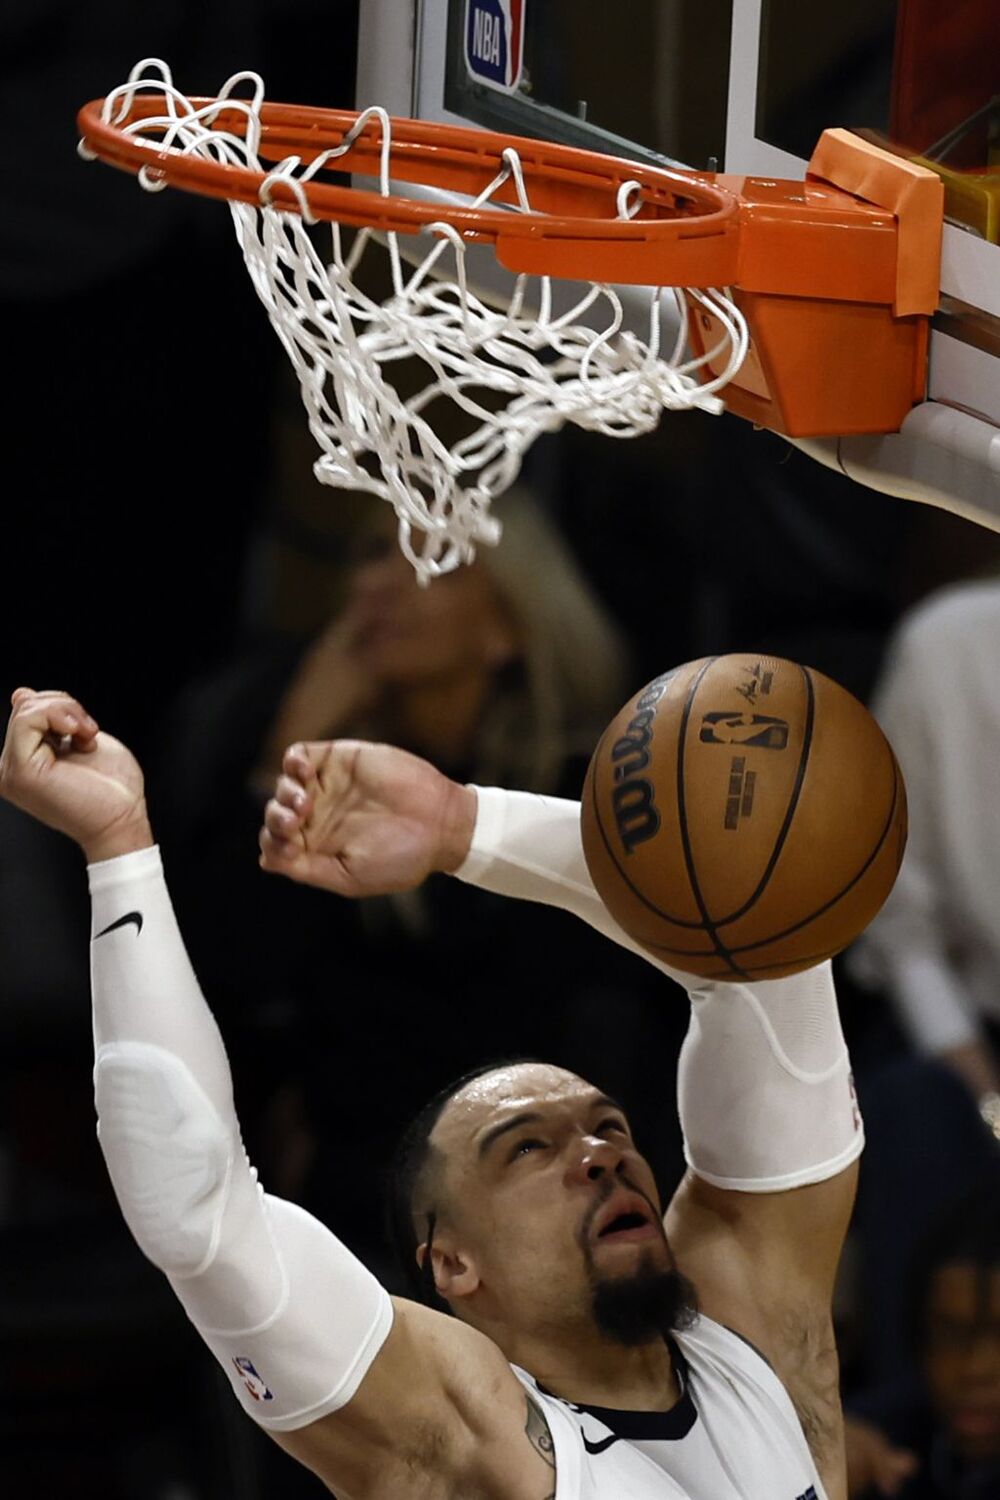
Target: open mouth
[{"x": 631, "y": 1223}]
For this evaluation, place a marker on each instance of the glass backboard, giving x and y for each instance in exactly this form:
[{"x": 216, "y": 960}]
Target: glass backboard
[{"x": 748, "y": 86}]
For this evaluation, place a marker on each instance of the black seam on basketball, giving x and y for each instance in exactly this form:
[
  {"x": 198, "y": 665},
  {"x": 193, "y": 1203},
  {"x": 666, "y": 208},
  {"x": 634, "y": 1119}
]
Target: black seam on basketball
[
  {"x": 708, "y": 926},
  {"x": 807, "y": 962},
  {"x": 776, "y": 937},
  {"x": 767, "y": 970},
  {"x": 748, "y": 971},
  {"x": 650, "y": 906},
  {"x": 795, "y": 965},
  {"x": 783, "y": 831},
  {"x": 679, "y": 952}
]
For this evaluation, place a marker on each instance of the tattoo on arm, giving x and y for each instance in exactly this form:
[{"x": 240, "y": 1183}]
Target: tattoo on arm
[{"x": 539, "y": 1434}]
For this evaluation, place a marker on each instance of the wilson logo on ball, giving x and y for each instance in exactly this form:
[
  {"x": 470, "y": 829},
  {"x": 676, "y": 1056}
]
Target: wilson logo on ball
[
  {"x": 724, "y": 859},
  {"x": 759, "y": 730},
  {"x": 636, "y": 816}
]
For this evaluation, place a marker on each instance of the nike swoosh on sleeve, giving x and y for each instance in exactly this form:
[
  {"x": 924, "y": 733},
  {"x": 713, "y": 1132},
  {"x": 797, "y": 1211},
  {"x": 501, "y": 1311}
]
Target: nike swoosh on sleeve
[
  {"x": 601, "y": 1444},
  {"x": 125, "y": 921}
]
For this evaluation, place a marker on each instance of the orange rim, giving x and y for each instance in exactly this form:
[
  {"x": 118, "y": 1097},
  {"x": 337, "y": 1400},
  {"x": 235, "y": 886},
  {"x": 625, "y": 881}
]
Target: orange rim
[{"x": 686, "y": 233}]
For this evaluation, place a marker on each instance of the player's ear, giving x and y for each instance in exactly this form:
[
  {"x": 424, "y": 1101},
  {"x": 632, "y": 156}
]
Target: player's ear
[{"x": 455, "y": 1272}]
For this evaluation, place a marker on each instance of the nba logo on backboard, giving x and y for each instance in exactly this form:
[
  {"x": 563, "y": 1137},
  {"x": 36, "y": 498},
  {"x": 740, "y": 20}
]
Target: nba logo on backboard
[{"x": 494, "y": 42}]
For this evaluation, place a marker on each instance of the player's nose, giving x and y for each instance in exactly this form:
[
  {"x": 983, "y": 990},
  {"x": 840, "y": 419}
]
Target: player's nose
[{"x": 593, "y": 1158}]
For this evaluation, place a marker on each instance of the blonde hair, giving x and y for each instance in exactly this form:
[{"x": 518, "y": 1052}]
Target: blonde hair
[{"x": 575, "y": 667}]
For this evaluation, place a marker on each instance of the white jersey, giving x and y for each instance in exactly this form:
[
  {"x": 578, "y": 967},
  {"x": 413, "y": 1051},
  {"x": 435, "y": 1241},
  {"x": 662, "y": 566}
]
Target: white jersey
[{"x": 733, "y": 1435}]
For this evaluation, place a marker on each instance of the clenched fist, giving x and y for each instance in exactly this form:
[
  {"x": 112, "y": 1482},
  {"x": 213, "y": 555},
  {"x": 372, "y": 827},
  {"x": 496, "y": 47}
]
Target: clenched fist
[{"x": 59, "y": 766}]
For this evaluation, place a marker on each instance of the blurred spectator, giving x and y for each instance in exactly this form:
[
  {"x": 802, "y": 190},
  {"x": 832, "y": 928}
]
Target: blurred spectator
[
  {"x": 934, "y": 954},
  {"x": 508, "y": 668},
  {"x": 504, "y": 671},
  {"x": 937, "y": 1436},
  {"x": 925, "y": 1143},
  {"x": 935, "y": 947}
]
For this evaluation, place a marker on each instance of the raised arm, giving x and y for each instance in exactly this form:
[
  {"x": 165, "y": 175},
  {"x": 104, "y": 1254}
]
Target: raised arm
[{"x": 357, "y": 1388}]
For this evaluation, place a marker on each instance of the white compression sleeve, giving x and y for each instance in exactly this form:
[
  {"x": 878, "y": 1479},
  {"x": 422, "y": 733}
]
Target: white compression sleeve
[
  {"x": 529, "y": 846},
  {"x": 764, "y": 1087},
  {"x": 293, "y": 1318},
  {"x": 765, "y": 1095}
]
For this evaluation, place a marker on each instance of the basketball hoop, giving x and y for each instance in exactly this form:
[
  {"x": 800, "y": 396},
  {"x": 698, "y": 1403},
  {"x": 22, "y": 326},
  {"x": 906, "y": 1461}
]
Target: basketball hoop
[{"x": 548, "y": 211}]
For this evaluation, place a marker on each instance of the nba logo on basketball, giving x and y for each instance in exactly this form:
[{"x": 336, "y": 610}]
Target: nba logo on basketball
[{"x": 494, "y": 42}]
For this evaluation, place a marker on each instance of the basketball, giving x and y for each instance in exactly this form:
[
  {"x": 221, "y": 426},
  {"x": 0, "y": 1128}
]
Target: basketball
[{"x": 743, "y": 817}]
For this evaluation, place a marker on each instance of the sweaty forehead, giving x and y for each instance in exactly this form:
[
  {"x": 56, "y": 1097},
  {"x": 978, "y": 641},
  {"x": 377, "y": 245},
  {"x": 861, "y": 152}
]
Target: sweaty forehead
[{"x": 502, "y": 1094}]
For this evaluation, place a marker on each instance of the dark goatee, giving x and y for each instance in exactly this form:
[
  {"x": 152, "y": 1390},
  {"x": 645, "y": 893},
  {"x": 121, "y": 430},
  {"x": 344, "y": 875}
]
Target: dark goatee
[{"x": 639, "y": 1309}]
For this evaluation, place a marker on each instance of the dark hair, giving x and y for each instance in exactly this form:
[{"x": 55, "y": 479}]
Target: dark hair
[
  {"x": 967, "y": 1233},
  {"x": 409, "y": 1161}
]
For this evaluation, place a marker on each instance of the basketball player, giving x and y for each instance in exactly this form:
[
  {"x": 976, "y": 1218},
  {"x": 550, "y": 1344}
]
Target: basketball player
[{"x": 597, "y": 1351}]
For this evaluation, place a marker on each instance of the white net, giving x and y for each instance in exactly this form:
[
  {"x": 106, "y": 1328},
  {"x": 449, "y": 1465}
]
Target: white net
[{"x": 500, "y": 377}]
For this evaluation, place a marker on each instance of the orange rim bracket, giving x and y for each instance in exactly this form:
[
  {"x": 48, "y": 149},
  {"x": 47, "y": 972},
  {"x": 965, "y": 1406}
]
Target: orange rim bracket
[{"x": 913, "y": 193}]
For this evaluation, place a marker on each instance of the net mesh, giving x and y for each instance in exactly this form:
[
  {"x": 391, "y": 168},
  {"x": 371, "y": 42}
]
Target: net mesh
[{"x": 507, "y": 374}]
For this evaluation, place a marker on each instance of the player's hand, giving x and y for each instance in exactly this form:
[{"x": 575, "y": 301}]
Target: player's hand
[
  {"x": 57, "y": 765},
  {"x": 873, "y": 1462},
  {"x": 364, "y": 819}
]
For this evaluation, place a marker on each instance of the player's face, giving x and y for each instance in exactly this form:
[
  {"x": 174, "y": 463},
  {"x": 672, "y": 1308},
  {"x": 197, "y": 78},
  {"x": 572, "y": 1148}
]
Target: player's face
[
  {"x": 408, "y": 635},
  {"x": 962, "y": 1357},
  {"x": 550, "y": 1198}
]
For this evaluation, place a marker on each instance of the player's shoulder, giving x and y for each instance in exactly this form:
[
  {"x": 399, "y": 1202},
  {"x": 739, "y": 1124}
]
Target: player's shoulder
[
  {"x": 706, "y": 1339},
  {"x": 440, "y": 1411},
  {"x": 468, "y": 1364}
]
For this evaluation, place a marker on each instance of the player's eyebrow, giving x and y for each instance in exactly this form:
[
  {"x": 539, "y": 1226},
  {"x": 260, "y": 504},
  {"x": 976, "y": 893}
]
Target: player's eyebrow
[
  {"x": 532, "y": 1117},
  {"x": 605, "y": 1101}
]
